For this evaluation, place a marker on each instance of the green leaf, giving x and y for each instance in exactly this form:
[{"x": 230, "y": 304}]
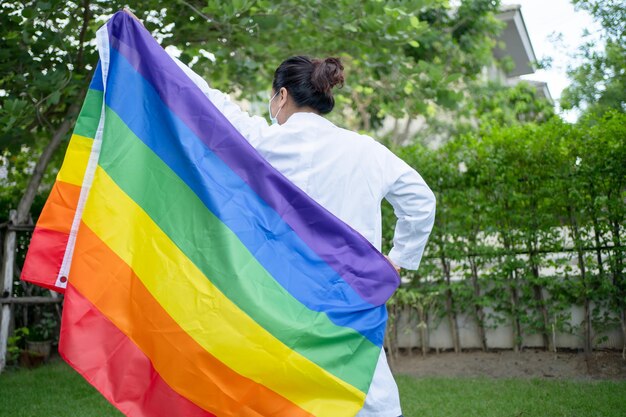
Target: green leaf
[{"x": 54, "y": 97}]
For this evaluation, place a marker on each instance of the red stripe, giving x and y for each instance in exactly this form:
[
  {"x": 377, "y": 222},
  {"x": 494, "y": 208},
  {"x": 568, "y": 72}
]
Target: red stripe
[
  {"x": 115, "y": 366},
  {"x": 44, "y": 258}
]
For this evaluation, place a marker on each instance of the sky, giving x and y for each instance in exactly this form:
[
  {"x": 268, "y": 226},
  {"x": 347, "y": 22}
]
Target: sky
[{"x": 544, "y": 19}]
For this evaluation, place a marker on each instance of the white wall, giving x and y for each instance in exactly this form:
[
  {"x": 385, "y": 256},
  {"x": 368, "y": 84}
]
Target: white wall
[{"x": 439, "y": 335}]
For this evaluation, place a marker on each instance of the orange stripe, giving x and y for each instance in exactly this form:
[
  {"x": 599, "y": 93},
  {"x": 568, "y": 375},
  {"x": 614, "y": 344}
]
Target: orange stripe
[
  {"x": 109, "y": 283},
  {"x": 58, "y": 213}
]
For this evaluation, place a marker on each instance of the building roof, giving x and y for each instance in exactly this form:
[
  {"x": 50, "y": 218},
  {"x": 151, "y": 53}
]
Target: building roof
[{"x": 516, "y": 41}]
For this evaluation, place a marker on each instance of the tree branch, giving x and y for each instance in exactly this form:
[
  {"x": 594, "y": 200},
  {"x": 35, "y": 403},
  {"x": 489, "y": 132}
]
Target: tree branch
[
  {"x": 23, "y": 208},
  {"x": 81, "y": 37}
]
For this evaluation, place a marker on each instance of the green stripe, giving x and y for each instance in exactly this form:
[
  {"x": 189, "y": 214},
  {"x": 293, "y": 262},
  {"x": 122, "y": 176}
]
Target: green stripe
[
  {"x": 223, "y": 258},
  {"x": 89, "y": 115}
]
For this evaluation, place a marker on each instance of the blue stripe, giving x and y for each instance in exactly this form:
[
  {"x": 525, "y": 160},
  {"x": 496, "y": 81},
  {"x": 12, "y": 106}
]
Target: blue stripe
[
  {"x": 96, "y": 80},
  {"x": 272, "y": 242}
]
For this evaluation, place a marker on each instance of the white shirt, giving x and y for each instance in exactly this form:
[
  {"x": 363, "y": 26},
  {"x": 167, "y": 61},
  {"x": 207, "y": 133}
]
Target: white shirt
[{"x": 349, "y": 174}]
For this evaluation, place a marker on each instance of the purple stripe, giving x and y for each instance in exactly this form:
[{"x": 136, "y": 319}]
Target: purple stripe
[{"x": 353, "y": 257}]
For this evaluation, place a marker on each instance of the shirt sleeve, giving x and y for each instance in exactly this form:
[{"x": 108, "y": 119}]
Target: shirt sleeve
[
  {"x": 414, "y": 206},
  {"x": 249, "y": 126}
]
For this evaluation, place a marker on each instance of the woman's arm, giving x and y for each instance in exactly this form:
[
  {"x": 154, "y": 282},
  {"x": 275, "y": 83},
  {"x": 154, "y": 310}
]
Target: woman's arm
[
  {"x": 414, "y": 205},
  {"x": 249, "y": 126}
]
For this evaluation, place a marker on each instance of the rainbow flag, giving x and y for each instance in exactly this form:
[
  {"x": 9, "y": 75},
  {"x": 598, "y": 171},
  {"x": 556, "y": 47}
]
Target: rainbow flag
[{"x": 198, "y": 280}]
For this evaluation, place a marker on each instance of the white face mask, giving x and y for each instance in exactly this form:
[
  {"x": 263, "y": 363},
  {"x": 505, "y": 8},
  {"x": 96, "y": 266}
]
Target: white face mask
[{"x": 273, "y": 119}]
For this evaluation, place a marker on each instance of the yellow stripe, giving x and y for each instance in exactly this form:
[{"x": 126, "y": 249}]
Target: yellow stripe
[
  {"x": 75, "y": 162},
  {"x": 208, "y": 316}
]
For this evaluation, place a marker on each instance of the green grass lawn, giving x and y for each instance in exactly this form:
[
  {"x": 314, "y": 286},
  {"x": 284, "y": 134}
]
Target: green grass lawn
[
  {"x": 452, "y": 397},
  {"x": 55, "y": 390}
]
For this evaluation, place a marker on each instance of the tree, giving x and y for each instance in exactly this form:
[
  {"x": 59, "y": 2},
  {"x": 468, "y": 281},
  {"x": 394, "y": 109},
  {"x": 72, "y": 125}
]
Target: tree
[
  {"x": 404, "y": 58},
  {"x": 599, "y": 83},
  {"x": 506, "y": 105},
  {"x": 394, "y": 53},
  {"x": 45, "y": 59}
]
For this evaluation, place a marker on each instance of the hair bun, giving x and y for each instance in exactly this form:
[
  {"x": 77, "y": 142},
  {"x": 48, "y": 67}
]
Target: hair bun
[{"x": 327, "y": 73}]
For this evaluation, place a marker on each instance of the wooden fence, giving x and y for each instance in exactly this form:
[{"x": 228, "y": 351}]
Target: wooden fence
[{"x": 10, "y": 274}]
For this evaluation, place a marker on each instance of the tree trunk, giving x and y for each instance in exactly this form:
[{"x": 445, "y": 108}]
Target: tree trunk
[
  {"x": 587, "y": 344},
  {"x": 623, "y": 320},
  {"x": 450, "y": 309},
  {"x": 406, "y": 131},
  {"x": 532, "y": 245},
  {"x": 538, "y": 293},
  {"x": 387, "y": 344},
  {"x": 391, "y": 336},
  {"x": 478, "y": 310},
  {"x": 619, "y": 282},
  {"x": 423, "y": 326},
  {"x": 596, "y": 229},
  {"x": 407, "y": 310},
  {"x": 517, "y": 327},
  {"x": 515, "y": 323},
  {"x": 452, "y": 321},
  {"x": 618, "y": 273},
  {"x": 596, "y": 236},
  {"x": 394, "y": 135},
  {"x": 23, "y": 208}
]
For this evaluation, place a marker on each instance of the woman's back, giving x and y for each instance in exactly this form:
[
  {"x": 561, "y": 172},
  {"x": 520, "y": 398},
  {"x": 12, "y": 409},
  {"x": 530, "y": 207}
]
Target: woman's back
[{"x": 343, "y": 171}]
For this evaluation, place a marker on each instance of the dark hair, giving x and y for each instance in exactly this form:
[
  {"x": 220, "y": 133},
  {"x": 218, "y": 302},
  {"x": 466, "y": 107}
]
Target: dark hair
[{"x": 310, "y": 81}]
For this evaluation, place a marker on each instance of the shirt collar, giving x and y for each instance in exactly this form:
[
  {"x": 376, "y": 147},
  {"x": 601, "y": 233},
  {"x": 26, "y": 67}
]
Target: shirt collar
[{"x": 300, "y": 117}]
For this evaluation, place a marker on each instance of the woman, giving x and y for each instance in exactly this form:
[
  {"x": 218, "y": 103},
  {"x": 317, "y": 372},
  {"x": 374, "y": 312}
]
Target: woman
[{"x": 347, "y": 173}]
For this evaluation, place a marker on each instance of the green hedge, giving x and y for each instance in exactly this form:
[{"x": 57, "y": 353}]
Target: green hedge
[{"x": 530, "y": 221}]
